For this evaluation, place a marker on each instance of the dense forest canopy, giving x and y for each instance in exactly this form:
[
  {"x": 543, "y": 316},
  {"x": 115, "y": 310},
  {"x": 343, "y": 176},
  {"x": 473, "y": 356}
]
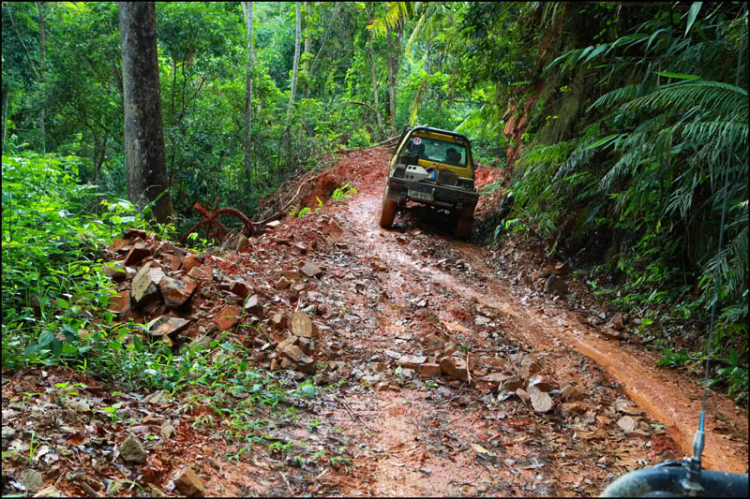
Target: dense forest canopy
[{"x": 621, "y": 123}]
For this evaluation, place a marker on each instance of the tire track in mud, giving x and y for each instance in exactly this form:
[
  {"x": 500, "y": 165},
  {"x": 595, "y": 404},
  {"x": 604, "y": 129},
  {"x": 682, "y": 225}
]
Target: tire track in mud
[{"x": 665, "y": 396}]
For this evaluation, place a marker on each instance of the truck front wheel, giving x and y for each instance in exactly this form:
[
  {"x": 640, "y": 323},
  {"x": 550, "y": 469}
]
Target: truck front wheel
[
  {"x": 388, "y": 211},
  {"x": 465, "y": 222}
]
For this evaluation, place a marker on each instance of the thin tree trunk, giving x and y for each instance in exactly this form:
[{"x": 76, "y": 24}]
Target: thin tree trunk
[
  {"x": 308, "y": 43},
  {"x": 375, "y": 86},
  {"x": 145, "y": 157},
  {"x": 42, "y": 71},
  {"x": 249, "y": 108},
  {"x": 295, "y": 74},
  {"x": 391, "y": 83}
]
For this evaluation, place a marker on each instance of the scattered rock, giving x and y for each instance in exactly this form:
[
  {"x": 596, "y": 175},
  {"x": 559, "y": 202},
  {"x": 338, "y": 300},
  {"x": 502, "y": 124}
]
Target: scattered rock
[
  {"x": 143, "y": 286},
  {"x": 278, "y": 320},
  {"x": 176, "y": 292},
  {"x": 138, "y": 252},
  {"x": 188, "y": 483},
  {"x": 430, "y": 370},
  {"x": 495, "y": 379},
  {"x": 455, "y": 368},
  {"x": 254, "y": 306},
  {"x": 165, "y": 325},
  {"x": 542, "y": 382},
  {"x": 239, "y": 288},
  {"x": 311, "y": 270},
  {"x": 31, "y": 479},
  {"x": 570, "y": 408},
  {"x": 302, "y": 326},
  {"x": 132, "y": 451},
  {"x": 411, "y": 361},
  {"x": 227, "y": 317},
  {"x": 119, "y": 303},
  {"x": 511, "y": 384},
  {"x": 378, "y": 265},
  {"x": 200, "y": 273},
  {"x": 294, "y": 353},
  {"x": 540, "y": 401},
  {"x": 628, "y": 424},
  {"x": 282, "y": 283},
  {"x": 190, "y": 261}
]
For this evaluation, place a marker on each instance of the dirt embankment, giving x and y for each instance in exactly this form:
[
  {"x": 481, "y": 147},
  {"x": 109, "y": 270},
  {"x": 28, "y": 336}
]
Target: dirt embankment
[{"x": 442, "y": 368}]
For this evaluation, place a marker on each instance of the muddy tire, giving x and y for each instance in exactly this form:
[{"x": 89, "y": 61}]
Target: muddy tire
[
  {"x": 465, "y": 222},
  {"x": 388, "y": 211}
]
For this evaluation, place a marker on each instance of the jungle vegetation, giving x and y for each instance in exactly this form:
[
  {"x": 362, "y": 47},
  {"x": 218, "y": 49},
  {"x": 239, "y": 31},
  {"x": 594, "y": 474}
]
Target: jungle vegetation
[{"x": 623, "y": 127}]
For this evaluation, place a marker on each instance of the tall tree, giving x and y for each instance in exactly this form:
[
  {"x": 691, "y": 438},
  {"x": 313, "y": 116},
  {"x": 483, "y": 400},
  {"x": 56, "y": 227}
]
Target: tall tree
[
  {"x": 375, "y": 84},
  {"x": 43, "y": 53},
  {"x": 145, "y": 158},
  {"x": 295, "y": 74},
  {"x": 248, "y": 8}
]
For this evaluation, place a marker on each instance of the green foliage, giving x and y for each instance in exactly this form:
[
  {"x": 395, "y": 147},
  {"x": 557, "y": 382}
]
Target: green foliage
[{"x": 53, "y": 230}]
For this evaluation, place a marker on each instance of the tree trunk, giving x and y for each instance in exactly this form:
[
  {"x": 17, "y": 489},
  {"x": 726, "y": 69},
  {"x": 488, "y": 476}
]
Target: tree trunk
[
  {"x": 308, "y": 44},
  {"x": 375, "y": 86},
  {"x": 249, "y": 108},
  {"x": 391, "y": 81},
  {"x": 145, "y": 157},
  {"x": 295, "y": 73},
  {"x": 42, "y": 71}
]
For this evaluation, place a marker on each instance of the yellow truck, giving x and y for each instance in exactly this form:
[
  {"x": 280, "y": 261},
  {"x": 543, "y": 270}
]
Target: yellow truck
[{"x": 432, "y": 167}]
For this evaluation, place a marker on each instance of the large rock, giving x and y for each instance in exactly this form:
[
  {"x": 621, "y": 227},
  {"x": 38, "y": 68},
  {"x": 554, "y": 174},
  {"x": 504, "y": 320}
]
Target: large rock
[
  {"x": 132, "y": 451},
  {"x": 302, "y": 326},
  {"x": 188, "y": 483},
  {"x": 165, "y": 325},
  {"x": 138, "y": 252},
  {"x": 145, "y": 284},
  {"x": 455, "y": 368},
  {"x": 191, "y": 260},
  {"x": 176, "y": 292},
  {"x": 227, "y": 317}
]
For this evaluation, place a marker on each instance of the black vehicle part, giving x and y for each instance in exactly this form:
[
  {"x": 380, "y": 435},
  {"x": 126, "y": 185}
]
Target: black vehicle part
[{"x": 673, "y": 480}]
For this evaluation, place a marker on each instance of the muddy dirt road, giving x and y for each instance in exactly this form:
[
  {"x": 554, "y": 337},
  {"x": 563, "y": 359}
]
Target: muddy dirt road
[
  {"x": 465, "y": 442},
  {"x": 439, "y": 369}
]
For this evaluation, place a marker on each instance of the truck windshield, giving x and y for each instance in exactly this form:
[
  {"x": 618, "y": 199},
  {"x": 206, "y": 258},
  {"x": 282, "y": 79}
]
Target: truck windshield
[{"x": 434, "y": 150}]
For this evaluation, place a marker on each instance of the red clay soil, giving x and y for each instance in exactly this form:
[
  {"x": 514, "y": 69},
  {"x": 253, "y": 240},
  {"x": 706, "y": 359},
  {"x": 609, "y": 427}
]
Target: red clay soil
[{"x": 443, "y": 370}]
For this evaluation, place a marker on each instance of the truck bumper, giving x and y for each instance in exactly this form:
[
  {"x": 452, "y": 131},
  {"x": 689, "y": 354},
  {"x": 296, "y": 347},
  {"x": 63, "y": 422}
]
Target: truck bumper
[{"x": 401, "y": 190}]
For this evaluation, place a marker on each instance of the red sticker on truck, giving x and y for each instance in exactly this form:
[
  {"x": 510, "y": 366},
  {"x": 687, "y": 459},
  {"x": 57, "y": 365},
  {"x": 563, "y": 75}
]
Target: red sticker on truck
[{"x": 416, "y": 141}]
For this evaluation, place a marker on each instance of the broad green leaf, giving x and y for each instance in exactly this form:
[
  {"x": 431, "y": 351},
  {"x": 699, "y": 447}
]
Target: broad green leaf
[
  {"x": 679, "y": 76},
  {"x": 601, "y": 141},
  {"x": 694, "y": 9}
]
